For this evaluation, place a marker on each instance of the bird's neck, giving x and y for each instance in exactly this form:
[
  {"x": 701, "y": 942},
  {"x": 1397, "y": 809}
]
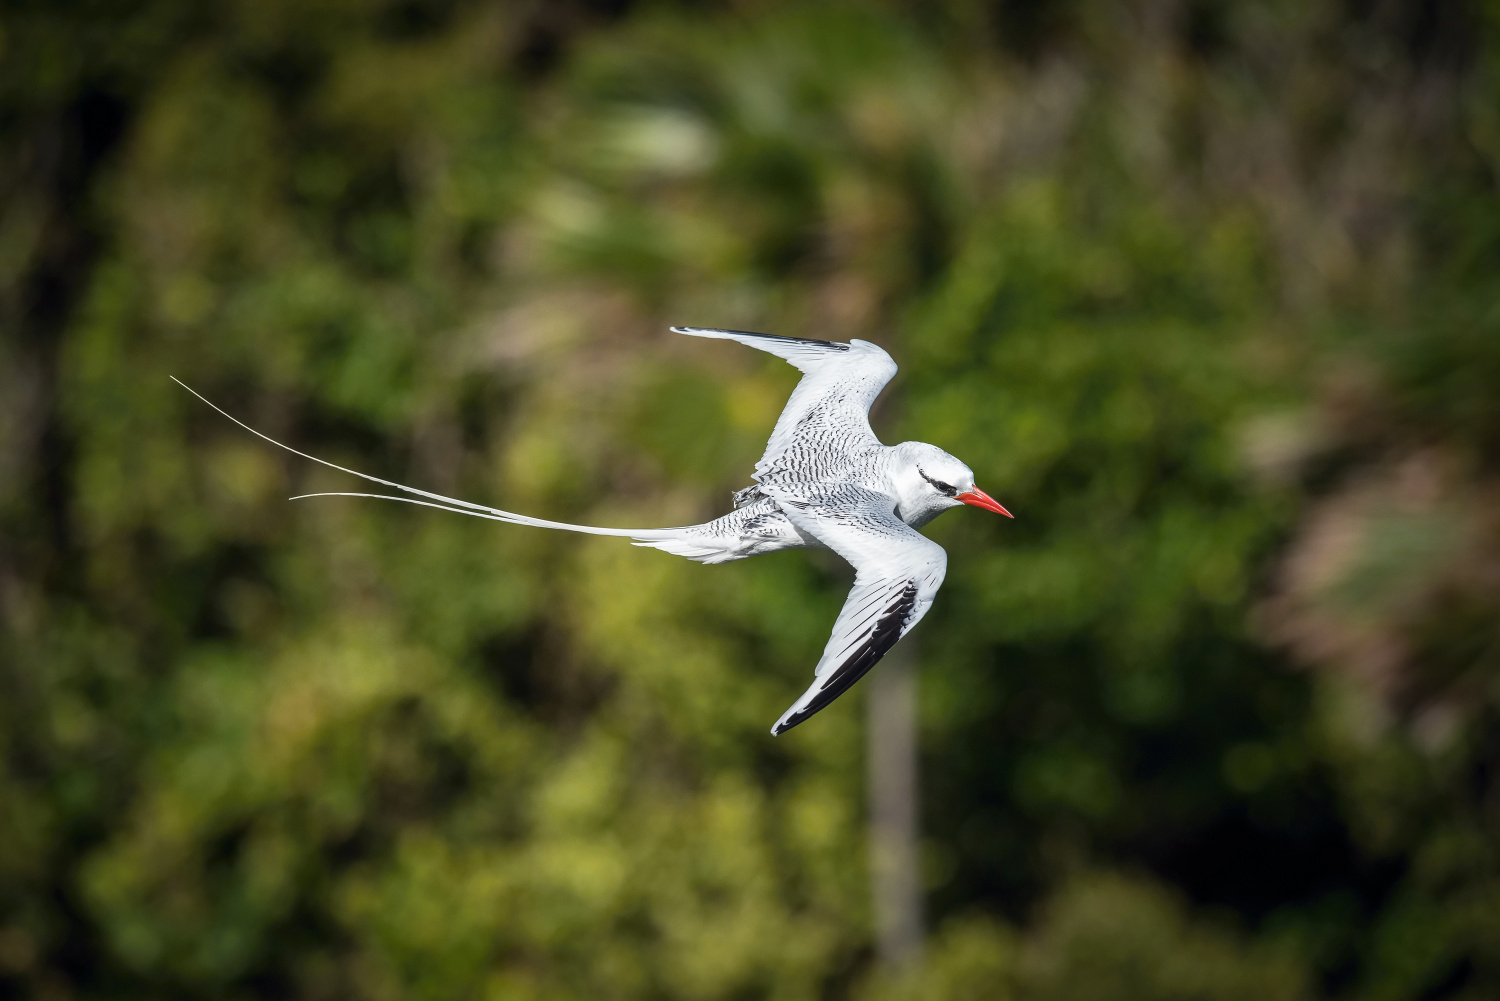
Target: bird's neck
[
  {"x": 919, "y": 516},
  {"x": 915, "y": 503}
]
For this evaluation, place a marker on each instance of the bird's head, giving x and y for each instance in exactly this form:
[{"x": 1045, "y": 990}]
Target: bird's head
[{"x": 929, "y": 481}]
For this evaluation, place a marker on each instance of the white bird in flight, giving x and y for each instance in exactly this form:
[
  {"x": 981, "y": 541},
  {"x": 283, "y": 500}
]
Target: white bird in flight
[{"x": 825, "y": 480}]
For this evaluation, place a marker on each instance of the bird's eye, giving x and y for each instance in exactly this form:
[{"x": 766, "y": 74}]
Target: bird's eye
[{"x": 939, "y": 484}]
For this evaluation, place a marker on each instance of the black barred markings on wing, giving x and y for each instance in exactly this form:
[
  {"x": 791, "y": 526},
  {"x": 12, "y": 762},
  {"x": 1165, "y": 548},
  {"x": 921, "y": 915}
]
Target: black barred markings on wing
[{"x": 825, "y": 480}]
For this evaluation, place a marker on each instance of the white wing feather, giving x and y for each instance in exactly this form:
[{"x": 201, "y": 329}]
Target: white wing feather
[
  {"x": 826, "y": 421},
  {"x": 897, "y": 575}
]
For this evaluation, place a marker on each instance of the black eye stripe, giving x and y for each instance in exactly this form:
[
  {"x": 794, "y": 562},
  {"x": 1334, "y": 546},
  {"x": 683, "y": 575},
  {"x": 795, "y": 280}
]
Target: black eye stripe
[{"x": 945, "y": 488}]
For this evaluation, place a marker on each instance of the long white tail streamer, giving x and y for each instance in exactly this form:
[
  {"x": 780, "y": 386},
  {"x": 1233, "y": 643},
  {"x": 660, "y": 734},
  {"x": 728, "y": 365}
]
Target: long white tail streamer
[{"x": 448, "y": 503}]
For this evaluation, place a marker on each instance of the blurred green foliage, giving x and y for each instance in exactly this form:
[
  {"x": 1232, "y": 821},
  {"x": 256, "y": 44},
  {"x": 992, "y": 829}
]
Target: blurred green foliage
[{"x": 1205, "y": 292}]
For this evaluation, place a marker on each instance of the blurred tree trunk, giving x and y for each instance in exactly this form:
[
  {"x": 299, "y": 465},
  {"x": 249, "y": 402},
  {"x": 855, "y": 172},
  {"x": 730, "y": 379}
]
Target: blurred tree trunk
[{"x": 891, "y": 757}]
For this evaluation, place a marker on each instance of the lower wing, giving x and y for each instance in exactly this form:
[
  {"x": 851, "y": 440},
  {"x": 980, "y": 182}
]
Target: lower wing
[{"x": 897, "y": 575}]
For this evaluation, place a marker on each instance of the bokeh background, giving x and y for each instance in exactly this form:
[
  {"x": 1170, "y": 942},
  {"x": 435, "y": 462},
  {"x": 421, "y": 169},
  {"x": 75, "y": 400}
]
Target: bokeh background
[{"x": 1207, "y": 293}]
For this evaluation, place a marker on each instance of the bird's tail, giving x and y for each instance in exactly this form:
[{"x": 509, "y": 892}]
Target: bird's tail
[{"x": 672, "y": 540}]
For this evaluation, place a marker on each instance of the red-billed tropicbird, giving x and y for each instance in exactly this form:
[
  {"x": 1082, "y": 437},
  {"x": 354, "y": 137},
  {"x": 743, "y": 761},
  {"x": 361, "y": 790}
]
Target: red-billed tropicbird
[{"x": 825, "y": 480}]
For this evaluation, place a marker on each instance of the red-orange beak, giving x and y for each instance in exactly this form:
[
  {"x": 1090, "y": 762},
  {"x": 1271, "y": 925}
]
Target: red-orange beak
[{"x": 978, "y": 498}]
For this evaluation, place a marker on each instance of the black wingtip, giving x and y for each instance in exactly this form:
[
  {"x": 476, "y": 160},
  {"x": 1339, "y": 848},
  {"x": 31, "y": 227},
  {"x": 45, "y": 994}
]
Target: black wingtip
[
  {"x": 780, "y": 728},
  {"x": 694, "y": 331},
  {"x": 886, "y": 633}
]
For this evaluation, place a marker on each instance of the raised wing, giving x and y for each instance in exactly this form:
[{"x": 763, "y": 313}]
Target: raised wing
[
  {"x": 827, "y": 418},
  {"x": 897, "y": 574}
]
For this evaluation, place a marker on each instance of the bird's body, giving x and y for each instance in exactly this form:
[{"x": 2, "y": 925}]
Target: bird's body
[
  {"x": 760, "y": 524},
  {"x": 825, "y": 480}
]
